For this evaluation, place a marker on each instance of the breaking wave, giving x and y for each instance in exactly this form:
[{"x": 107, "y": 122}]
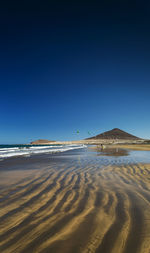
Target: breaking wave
[{"x": 29, "y": 150}]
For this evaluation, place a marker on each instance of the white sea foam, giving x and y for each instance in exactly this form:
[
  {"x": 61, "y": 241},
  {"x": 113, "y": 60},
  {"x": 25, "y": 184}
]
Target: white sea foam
[
  {"x": 43, "y": 147},
  {"x": 23, "y": 151},
  {"x": 8, "y": 149}
]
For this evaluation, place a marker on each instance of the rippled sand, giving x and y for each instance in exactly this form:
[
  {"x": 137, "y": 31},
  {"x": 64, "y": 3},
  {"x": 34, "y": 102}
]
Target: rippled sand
[{"x": 75, "y": 206}]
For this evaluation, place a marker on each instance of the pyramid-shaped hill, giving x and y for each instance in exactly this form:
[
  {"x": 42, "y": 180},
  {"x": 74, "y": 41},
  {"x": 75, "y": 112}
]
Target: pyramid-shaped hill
[{"x": 115, "y": 133}]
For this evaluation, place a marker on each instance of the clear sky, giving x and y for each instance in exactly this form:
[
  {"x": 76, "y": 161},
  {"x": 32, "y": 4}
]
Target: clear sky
[{"x": 74, "y": 66}]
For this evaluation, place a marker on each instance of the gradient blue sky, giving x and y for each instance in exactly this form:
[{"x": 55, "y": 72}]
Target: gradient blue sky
[{"x": 74, "y": 66}]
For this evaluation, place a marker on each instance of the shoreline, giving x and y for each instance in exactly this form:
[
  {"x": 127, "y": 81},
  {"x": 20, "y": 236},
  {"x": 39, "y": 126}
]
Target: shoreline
[
  {"x": 93, "y": 141},
  {"x": 142, "y": 145}
]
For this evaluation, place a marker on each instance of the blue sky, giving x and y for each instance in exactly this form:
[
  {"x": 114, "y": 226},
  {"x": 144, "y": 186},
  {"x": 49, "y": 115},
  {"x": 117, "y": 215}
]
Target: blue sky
[{"x": 72, "y": 67}]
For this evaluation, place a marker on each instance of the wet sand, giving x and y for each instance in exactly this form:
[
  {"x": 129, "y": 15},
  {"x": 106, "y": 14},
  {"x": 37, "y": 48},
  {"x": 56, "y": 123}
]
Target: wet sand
[{"x": 80, "y": 201}]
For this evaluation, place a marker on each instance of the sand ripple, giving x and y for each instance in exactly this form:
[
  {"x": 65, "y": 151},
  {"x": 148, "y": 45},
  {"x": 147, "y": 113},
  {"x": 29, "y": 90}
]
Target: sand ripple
[{"x": 76, "y": 208}]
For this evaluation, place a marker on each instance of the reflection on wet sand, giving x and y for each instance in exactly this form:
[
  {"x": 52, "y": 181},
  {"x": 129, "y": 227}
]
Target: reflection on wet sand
[
  {"x": 104, "y": 151},
  {"x": 77, "y": 205}
]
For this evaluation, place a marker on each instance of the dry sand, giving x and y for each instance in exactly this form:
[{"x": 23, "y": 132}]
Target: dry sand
[
  {"x": 144, "y": 147},
  {"x": 75, "y": 209}
]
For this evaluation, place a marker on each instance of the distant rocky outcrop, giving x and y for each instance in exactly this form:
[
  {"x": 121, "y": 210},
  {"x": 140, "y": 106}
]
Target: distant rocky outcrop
[
  {"x": 115, "y": 133},
  {"x": 41, "y": 141}
]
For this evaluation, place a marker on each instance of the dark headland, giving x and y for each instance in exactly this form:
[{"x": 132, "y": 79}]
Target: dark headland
[{"x": 41, "y": 141}]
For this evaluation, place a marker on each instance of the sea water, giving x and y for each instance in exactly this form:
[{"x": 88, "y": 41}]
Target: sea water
[{"x": 27, "y": 150}]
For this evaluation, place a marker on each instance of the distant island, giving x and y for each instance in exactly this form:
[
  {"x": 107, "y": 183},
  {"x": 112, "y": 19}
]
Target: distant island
[{"x": 41, "y": 141}]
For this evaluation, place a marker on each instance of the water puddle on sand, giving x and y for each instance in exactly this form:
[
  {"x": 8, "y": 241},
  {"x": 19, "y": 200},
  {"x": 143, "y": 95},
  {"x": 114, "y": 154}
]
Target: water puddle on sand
[
  {"x": 90, "y": 200},
  {"x": 125, "y": 155}
]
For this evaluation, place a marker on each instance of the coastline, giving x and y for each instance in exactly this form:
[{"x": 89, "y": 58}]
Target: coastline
[{"x": 92, "y": 142}]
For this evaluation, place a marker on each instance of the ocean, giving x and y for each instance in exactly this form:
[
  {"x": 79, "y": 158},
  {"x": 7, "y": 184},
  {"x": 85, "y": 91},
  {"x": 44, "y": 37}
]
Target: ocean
[{"x": 27, "y": 150}]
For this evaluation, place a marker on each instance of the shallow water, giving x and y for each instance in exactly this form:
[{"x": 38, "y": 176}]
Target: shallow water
[{"x": 88, "y": 200}]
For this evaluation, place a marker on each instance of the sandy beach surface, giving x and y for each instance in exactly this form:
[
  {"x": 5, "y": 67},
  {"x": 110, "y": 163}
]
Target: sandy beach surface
[
  {"x": 145, "y": 147},
  {"x": 88, "y": 200}
]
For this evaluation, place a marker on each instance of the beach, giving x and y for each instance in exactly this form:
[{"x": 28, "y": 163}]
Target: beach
[{"x": 84, "y": 200}]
